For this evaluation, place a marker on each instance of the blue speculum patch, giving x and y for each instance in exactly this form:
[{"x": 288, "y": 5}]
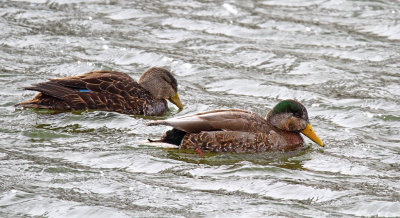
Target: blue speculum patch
[{"x": 83, "y": 90}]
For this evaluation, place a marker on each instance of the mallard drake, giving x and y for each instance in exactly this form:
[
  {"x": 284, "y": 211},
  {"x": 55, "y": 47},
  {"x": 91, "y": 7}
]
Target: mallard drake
[
  {"x": 108, "y": 91},
  {"x": 239, "y": 131}
]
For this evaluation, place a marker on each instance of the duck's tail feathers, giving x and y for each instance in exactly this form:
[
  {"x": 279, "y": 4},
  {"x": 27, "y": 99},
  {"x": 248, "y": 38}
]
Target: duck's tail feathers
[
  {"x": 51, "y": 89},
  {"x": 173, "y": 136},
  {"x": 52, "y": 96},
  {"x": 157, "y": 122},
  {"x": 30, "y": 104}
]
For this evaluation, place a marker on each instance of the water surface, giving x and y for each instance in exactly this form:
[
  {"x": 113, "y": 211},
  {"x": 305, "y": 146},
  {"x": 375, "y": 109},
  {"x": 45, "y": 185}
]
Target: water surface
[{"x": 339, "y": 58}]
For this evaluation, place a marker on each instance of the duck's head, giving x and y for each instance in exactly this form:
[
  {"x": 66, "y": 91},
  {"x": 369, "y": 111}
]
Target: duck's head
[
  {"x": 161, "y": 84},
  {"x": 292, "y": 116}
]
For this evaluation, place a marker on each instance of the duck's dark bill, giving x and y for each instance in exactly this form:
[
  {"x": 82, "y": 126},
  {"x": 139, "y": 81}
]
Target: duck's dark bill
[{"x": 309, "y": 132}]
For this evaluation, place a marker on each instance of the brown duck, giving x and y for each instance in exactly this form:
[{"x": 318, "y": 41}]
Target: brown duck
[
  {"x": 239, "y": 131},
  {"x": 108, "y": 91}
]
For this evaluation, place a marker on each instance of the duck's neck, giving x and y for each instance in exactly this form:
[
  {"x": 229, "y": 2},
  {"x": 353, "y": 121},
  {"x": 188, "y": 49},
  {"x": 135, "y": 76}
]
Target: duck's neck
[
  {"x": 149, "y": 86},
  {"x": 293, "y": 140},
  {"x": 280, "y": 121}
]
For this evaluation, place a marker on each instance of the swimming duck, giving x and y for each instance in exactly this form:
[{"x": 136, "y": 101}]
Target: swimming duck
[
  {"x": 239, "y": 131},
  {"x": 108, "y": 91}
]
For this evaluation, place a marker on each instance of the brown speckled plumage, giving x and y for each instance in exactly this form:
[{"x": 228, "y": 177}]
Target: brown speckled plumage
[
  {"x": 237, "y": 131},
  {"x": 238, "y": 142},
  {"x": 109, "y": 91}
]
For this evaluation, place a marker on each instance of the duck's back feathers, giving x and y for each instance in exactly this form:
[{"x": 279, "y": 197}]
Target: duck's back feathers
[
  {"x": 224, "y": 119},
  {"x": 98, "y": 90},
  {"x": 111, "y": 82}
]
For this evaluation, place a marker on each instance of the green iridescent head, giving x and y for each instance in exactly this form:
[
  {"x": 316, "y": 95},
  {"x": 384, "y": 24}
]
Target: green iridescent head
[{"x": 292, "y": 107}]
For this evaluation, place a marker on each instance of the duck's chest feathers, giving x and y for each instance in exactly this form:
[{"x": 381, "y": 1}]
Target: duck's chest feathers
[
  {"x": 155, "y": 107},
  {"x": 283, "y": 140}
]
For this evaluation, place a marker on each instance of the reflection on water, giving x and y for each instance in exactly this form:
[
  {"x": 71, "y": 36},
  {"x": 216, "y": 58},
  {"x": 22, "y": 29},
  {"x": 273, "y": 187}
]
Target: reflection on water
[{"x": 339, "y": 58}]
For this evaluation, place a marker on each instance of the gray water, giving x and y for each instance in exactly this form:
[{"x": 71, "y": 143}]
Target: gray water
[{"x": 339, "y": 58}]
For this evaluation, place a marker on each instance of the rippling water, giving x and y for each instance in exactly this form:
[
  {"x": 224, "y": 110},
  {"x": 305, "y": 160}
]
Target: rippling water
[{"x": 340, "y": 58}]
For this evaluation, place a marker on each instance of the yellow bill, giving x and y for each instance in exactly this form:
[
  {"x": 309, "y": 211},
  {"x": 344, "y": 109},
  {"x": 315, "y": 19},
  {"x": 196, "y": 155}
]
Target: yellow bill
[
  {"x": 176, "y": 101},
  {"x": 309, "y": 132}
]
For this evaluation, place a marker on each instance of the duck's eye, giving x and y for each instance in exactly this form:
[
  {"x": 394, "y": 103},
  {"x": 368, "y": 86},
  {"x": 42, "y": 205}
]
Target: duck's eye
[{"x": 297, "y": 114}]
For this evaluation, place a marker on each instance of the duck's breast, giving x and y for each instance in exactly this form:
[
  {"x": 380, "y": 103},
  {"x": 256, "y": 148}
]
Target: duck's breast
[{"x": 155, "y": 107}]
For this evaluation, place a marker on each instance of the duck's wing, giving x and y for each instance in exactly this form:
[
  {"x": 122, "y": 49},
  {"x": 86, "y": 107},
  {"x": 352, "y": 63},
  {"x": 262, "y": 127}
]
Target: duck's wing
[
  {"x": 111, "y": 82},
  {"x": 226, "y": 119},
  {"x": 55, "y": 96}
]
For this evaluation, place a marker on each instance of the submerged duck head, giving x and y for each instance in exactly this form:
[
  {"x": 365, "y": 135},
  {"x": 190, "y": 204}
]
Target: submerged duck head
[
  {"x": 161, "y": 84},
  {"x": 292, "y": 116}
]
